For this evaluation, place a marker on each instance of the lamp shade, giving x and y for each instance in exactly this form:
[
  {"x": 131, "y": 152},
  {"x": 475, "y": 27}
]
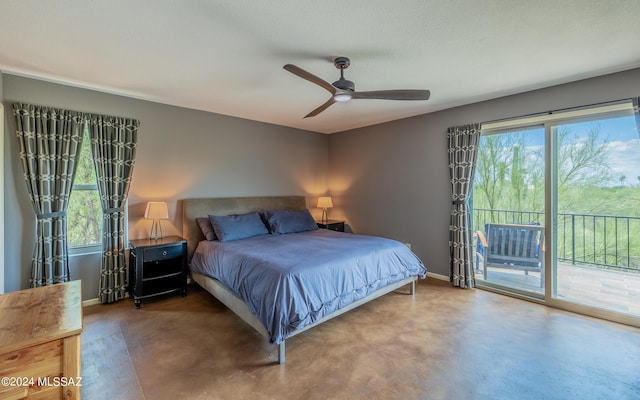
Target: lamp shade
[
  {"x": 324, "y": 202},
  {"x": 156, "y": 210}
]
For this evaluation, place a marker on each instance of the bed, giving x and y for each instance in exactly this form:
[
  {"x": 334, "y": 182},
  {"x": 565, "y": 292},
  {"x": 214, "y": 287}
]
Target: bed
[{"x": 284, "y": 284}]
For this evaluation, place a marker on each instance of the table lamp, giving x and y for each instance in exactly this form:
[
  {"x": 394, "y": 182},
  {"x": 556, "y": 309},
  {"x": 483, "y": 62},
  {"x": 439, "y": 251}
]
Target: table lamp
[
  {"x": 324, "y": 203},
  {"x": 156, "y": 210}
]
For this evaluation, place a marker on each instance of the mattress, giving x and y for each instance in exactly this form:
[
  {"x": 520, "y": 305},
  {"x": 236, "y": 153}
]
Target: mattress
[{"x": 289, "y": 281}]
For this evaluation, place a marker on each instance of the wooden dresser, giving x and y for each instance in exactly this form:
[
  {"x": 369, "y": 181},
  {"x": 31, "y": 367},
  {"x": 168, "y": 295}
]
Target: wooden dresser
[{"x": 40, "y": 344}]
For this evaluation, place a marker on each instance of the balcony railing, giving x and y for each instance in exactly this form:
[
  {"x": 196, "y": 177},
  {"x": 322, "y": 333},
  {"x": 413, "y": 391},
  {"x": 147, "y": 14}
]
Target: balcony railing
[{"x": 603, "y": 241}]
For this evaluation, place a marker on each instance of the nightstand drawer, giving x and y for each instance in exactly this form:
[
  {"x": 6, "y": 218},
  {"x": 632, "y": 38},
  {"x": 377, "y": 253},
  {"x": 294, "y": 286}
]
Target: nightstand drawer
[
  {"x": 332, "y": 225},
  {"x": 153, "y": 287},
  {"x": 162, "y": 253},
  {"x": 338, "y": 227},
  {"x": 160, "y": 268}
]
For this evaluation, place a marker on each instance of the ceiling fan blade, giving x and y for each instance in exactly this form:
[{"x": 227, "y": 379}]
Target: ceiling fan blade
[
  {"x": 321, "y": 108},
  {"x": 393, "y": 95},
  {"x": 310, "y": 77}
]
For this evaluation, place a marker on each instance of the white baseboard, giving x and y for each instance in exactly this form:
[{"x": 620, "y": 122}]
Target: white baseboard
[
  {"x": 437, "y": 276},
  {"x": 90, "y": 302},
  {"x": 93, "y": 302}
]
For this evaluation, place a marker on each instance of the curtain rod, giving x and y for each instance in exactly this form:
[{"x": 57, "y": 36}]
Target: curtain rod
[{"x": 550, "y": 112}]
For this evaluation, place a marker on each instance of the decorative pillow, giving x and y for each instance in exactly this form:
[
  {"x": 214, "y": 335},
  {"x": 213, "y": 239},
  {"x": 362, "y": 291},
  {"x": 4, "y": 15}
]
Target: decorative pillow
[
  {"x": 239, "y": 226},
  {"x": 289, "y": 221},
  {"x": 206, "y": 228}
]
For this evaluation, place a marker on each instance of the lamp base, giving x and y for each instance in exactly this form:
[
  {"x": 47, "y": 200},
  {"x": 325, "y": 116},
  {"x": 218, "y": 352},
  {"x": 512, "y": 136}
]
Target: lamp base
[
  {"x": 325, "y": 216},
  {"x": 156, "y": 230}
]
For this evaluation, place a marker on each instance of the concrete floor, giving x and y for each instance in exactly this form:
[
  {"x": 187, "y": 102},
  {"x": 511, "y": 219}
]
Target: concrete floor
[{"x": 444, "y": 343}]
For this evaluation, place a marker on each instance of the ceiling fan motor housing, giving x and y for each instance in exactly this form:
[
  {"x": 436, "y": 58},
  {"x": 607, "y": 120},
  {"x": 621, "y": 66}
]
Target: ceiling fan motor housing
[
  {"x": 343, "y": 63},
  {"x": 345, "y": 84}
]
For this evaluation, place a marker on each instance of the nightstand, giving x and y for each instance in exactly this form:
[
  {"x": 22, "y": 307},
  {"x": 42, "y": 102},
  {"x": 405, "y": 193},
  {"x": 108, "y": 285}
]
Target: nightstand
[
  {"x": 332, "y": 225},
  {"x": 157, "y": 267}
]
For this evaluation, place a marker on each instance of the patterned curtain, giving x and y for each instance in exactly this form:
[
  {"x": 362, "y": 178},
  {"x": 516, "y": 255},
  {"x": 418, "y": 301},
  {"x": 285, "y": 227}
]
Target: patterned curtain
[
  {"x": 113, "y": 145},
  {"x": 463, "y": 145},
  {"x": 50, "y": 140}
]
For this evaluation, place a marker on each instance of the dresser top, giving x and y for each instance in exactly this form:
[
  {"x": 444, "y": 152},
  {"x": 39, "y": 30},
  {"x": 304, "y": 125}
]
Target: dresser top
[{"x": 39, "y": 315}]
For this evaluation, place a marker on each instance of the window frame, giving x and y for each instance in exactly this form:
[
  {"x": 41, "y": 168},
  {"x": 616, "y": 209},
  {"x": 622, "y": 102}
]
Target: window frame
[
  {"x": 86, "y": 248},
  {"x": 96, "y": 247},
  {"x": 550, "y": 122}
]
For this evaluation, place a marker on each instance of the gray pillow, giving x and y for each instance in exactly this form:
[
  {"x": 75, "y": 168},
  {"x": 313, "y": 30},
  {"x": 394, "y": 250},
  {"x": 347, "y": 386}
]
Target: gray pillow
[
  {"x": 289, "y": 221},
  {"x": 239, "y": 226},
  {"x": 206, "y": 228}
]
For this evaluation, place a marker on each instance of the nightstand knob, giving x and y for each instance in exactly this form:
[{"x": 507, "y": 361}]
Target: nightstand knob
[{"x": 164, "y": 253}]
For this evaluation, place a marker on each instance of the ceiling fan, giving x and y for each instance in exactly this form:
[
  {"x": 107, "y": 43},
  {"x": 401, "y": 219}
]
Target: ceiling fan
[{"x": 345, "y": 90}]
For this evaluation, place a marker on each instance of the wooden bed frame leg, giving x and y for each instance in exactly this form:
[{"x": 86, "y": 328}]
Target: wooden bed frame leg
[{"x": 281, "y": 353}]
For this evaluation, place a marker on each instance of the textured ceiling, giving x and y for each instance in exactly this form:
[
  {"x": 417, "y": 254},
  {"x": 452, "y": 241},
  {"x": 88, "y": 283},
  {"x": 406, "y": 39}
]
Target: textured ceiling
[{"x": 227, "y": 56}]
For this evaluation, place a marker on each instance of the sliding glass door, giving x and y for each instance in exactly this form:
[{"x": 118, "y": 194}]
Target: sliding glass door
[
  {"x": 508, "y": 190},
  {"x": 556, "y": 210},
  {"x": 597, "y": 204}
]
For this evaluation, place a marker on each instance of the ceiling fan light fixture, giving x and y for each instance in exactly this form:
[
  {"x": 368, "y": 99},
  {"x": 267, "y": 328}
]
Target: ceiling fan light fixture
[{"x": 342, "y": 97}]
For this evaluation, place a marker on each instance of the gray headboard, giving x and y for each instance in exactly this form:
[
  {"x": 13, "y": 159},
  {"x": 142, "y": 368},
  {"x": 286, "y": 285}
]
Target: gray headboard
[{"x": 193, "y": 208}]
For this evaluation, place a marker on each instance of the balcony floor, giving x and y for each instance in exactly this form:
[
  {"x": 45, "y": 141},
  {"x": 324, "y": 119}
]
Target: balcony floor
[{"x": 605, "y": 289}]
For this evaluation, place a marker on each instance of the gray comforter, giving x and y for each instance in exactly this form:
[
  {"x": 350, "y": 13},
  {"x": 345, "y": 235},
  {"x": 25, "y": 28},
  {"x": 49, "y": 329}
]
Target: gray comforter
[{"x": 290, "y": 281}]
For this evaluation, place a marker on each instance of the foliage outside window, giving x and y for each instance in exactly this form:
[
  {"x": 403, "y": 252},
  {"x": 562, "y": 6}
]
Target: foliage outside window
[
  {"x": 598, "y": 221},
  {"x": 84, "y": 214}
]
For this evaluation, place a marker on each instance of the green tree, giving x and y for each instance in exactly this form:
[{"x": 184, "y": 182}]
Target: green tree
[
  {"x": 492, "y": 169},
  {"x": 84, "y": 215},
  {"x": 510, "y": 174},
  {"x": 584, "y": 160}
]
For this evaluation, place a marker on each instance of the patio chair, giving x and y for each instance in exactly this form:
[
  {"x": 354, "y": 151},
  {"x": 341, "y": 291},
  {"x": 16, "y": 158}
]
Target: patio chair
[{"x": 512, "y": 246}]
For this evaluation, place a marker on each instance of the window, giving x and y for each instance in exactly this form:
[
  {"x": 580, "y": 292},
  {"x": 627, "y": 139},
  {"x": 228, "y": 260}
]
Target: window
[
  {"x": 574, "y": 174},
  {"x": 84, "y": 214}
]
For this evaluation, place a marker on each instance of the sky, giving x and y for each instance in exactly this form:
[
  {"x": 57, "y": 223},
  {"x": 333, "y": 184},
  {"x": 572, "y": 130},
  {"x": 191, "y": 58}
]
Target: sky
[{"x": 624, "y": 145}]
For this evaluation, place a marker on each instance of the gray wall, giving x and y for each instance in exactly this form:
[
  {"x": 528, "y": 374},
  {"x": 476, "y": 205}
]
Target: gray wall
[
  {"x": 181, "y": 153},
  {"x": 393, "y": 179},
  {"x": 390, "y": 179}
]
